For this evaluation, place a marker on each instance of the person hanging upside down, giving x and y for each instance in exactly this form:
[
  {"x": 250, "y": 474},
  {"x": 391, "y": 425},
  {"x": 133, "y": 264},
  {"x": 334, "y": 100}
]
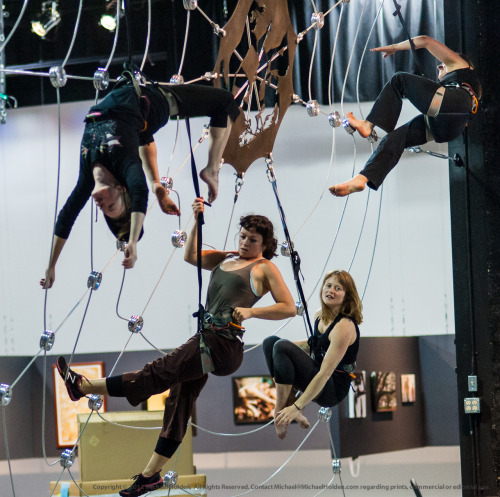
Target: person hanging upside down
[
  {"x": 239, "y": 279},
  {"x": 324, "y": 376},
  {"x": 462, "y": 89},
  {"x": 118, "y": 147}
]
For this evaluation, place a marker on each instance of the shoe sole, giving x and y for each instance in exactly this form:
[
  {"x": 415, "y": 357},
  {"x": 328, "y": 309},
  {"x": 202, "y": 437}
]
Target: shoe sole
[{"x": 149, "y": 487}]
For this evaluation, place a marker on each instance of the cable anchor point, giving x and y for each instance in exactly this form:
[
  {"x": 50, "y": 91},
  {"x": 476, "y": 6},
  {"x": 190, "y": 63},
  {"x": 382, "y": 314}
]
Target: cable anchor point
[
  {"x": 121, "y": 245},
  {"x": 57, "y": 76},
  {"x": 318, "y": 20},
  {"x": 336, "y": 466},
  {"x": 347, "y": 126},
  {"x": 167, "y": 182},
  {"x": 94, "y": 280},
  {"x": 67, "y": 458},
  {"x": 190, "y": 4},
  {"x": 299, "y": 305},
  {"x": 101, "y": 79},
  {"x": 135, "y": 324},
  {"x": 286, "y": 250},
  {"x": 334, "y": 119},
  {"x": 95, "y": 402},
  {"x": 170, "y": 479},
  {"x": 47, "y": 340},
  {"x": 312, "y": 108},
  {"x": 179, "y": 238},
  {"x": 324, "y": 414},
  {"x": 177, "y": 79},
  {"x": 5, "y": 394}
]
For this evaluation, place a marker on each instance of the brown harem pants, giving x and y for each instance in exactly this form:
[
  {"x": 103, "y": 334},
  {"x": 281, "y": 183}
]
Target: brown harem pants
[{"x": 181, "y": 371}]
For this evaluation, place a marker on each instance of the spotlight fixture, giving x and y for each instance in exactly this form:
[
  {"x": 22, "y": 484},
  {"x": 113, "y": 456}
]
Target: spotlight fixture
[
  {"x": 48, "y": 19},
  {"x": 108, "y": 22}
]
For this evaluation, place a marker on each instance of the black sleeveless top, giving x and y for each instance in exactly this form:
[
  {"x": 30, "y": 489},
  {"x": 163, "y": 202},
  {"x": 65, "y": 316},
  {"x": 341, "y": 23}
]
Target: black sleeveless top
[
  {"x": 320, "y": 343},
  {"x": 460, "y": 76}
]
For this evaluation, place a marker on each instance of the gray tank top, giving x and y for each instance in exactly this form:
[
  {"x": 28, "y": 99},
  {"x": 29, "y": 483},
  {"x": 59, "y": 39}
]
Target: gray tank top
[{"x": 230, "y": 289}]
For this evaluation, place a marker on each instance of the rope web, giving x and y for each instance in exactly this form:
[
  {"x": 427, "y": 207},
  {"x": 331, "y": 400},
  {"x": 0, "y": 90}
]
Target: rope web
[{"x": 250, "y": 91}]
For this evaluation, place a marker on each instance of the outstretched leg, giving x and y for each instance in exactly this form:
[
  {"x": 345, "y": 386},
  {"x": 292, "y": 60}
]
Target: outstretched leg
[{"x": 210, "y": 174}]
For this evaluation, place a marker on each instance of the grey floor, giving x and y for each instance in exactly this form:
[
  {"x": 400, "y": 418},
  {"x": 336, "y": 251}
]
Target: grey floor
[{"x": 435, "y": 469}]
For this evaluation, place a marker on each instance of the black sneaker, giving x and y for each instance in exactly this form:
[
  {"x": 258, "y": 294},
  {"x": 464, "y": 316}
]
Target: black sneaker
[
  {"x": 73, "y": 381},
  {"x": 143, "y": 485}
]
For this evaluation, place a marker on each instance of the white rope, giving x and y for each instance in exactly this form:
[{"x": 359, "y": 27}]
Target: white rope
[
  {"x": 233, "y": 434},
  {"x": 282, "y": 466},
  {"x": 75, "y": 32},
  {"x": 148, "y": 36}
]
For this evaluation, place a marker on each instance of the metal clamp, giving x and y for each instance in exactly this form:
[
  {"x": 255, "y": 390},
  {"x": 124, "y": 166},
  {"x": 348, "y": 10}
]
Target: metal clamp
[
  {"x": 94, "y": 280},
  {"x": 312, "y": 108},
  {"x": 101, "y": 79},
  {"x": 334, "y": 119},
  {"x": 324, "y": 414},
  {"x": 318, "y": 20},
  {"x": 47, "y": 340},
  {"x": 57, "y": 76},
  {"x": 5, "y": 394},
  {"x": 135, "y": 323},
  {"x": 67, "y": 458}
]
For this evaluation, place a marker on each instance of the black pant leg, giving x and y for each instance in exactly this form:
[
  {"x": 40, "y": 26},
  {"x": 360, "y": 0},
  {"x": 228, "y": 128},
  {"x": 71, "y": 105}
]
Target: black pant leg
[
  {"x": 389, "y": 151},
  {"x": 387, "y": 108}
]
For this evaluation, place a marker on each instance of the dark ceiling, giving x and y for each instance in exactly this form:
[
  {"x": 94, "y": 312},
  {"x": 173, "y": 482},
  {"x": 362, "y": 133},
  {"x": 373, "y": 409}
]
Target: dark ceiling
[{"x": 93, "y": 45}]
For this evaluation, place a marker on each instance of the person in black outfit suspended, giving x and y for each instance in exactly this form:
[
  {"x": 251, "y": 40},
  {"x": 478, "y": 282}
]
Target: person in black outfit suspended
[
  {"x": 445, "y": 107},
  {"x": 118, "y": 148},
  {"x": 323, "y": 375}
]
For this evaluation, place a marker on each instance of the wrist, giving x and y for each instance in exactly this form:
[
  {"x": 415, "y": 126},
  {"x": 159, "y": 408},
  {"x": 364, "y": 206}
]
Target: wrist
[{"x": 297, "y": 407}]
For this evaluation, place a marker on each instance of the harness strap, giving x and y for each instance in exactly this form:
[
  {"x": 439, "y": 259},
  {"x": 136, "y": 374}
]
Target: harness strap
[
  {"x": 199, "y": 224},
  {"x": 397, "y": 12},
  {"x": 436, "y": 102},
  {"x": 171, "y": 100}
]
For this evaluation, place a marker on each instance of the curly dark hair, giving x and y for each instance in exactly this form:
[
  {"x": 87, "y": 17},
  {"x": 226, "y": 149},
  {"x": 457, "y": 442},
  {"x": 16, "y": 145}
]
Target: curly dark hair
[{"x": 265, "y": 228}]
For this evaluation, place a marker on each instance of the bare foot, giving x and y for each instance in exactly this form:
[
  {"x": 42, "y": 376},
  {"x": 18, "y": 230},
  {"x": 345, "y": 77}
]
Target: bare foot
[
  {"x": 211, "y": 178},
  {"x": 364, "y": 128},
  {"x": 280, "y": 430},
  {"x": 167, "y": 205},
  {"x": 303, "y": 421},
  {"x": 356, "y": 184}
]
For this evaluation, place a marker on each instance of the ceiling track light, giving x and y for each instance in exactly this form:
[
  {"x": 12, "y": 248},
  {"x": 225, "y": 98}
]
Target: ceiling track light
[
  {"x": 109, "y": 21},
  {"x": 48, "y": 19}
]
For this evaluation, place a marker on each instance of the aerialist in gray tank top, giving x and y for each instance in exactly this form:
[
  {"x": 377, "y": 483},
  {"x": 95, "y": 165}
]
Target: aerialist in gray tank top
[{"x": 230, "y": 289}]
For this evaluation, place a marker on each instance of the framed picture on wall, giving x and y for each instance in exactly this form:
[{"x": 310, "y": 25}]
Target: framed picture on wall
[
  {"x": 66, "y": 409},
  {"x": 383, "y": 388},
  {"x": 407, "y": 388},
  {"x": 357, "y": 396},
  {"x": 254, "y": 399},
  {"x": 157, "y": 402}
]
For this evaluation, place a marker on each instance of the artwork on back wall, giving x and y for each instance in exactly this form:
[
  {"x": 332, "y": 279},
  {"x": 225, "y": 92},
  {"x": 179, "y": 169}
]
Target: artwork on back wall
[
  {"x": 408, "y": 388},
  {"x": 383, "y": 387},
  {"x": 357, "y": 396},
  {"x": 254, "y": 399},
  {"x": 66, "y": 409}
]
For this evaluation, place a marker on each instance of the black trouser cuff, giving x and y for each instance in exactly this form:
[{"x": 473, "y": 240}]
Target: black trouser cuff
[
  {"x": 114, "y": 386},
  {"x": 166, "y": 447}
]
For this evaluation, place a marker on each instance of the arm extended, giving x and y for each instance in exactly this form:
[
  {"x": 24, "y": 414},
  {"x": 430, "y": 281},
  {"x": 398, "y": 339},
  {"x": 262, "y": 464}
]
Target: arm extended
[{"x": 439, "y": 50}]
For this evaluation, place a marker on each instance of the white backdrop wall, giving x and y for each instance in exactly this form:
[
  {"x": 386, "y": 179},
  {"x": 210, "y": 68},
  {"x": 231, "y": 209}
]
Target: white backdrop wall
[{"x": 410, "y": 287}]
